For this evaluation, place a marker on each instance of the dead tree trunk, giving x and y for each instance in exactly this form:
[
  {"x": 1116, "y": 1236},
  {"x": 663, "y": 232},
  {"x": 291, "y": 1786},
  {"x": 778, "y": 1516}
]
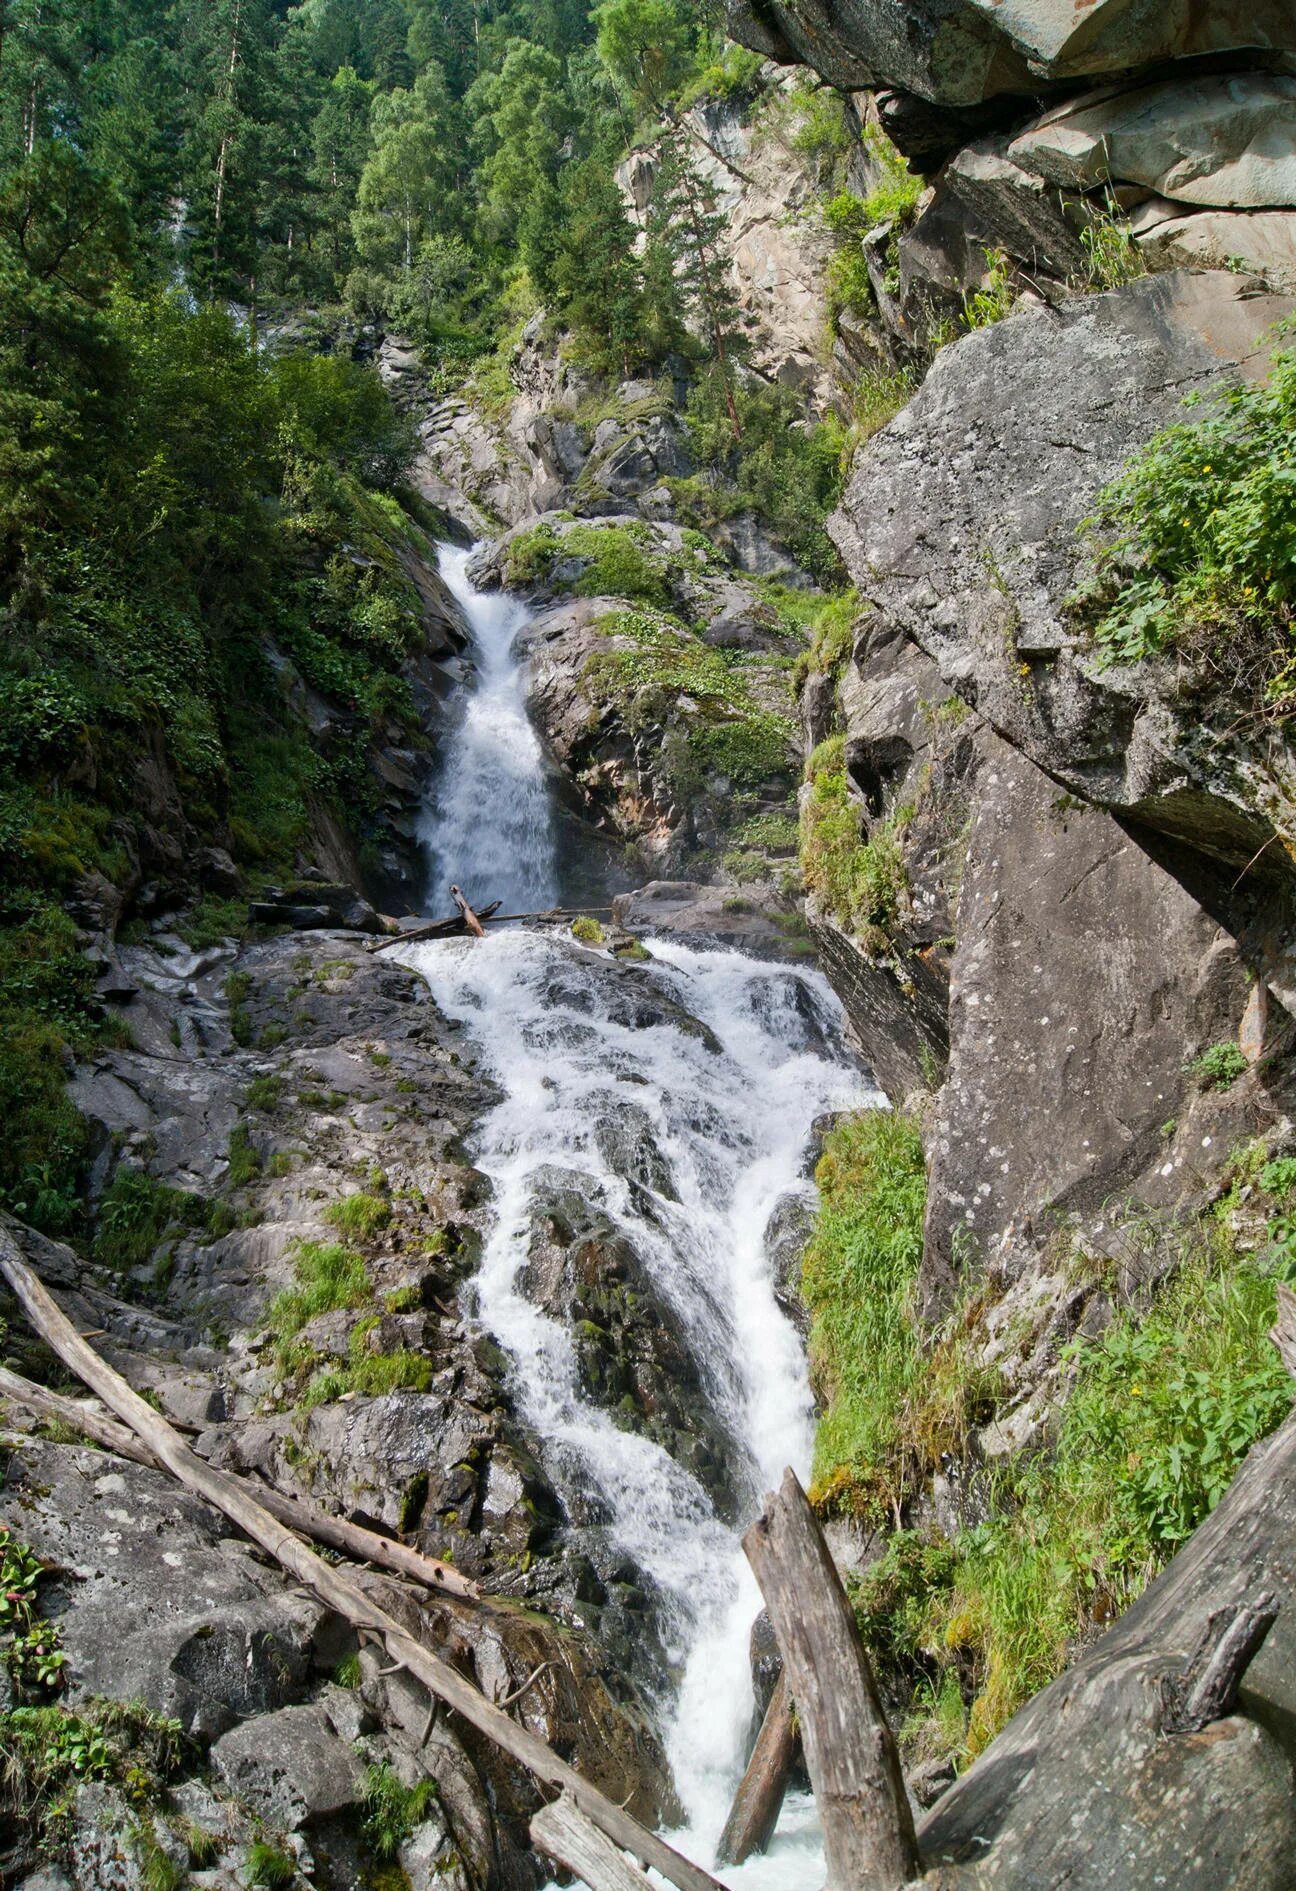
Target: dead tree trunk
[
  {"x": 757, "y": 1802},
  {"x": 854, "y": 1767},
  {"x": 562, "y": 1832},
  {"x": 364, "y": 1546},
  {"x": 334, "y": 1585}
]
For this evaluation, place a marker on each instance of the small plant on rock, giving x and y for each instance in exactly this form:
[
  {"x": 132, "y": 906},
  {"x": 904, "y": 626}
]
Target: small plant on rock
[{"x": 1219, "y": 1067}]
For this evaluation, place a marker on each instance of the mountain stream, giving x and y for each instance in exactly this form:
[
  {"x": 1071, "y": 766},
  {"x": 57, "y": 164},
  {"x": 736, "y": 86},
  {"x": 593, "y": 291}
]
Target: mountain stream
[{"x": 728, "y": 1111}]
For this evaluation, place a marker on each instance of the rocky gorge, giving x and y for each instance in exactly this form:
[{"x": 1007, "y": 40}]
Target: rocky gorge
[{"x": 489, "y": 1245}]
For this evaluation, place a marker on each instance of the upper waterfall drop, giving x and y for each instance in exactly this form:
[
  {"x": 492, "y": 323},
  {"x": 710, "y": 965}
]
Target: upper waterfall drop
[{"x": 488, "y": 822}]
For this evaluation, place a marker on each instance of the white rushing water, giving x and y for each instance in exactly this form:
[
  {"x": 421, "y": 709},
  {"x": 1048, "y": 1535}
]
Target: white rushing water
[
  {"x": 581, "y": 1048},
  {"x": 488, "y": 820}
]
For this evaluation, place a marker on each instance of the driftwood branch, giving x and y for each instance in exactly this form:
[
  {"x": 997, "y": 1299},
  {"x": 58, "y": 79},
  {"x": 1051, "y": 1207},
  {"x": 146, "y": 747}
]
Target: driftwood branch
[
  {"x": 1283, "y": 1331},
  {"x": 467, "y": 914},
  {"x": 489, "y": 916},
  {"x": 336, "y": 1587},
  {"x": 1208, "y": 1688},
  {"x": 562, "y": 1832},
  {"x": 854, "y": 1766},
  {"x": 754, "y": 1813},
  {"x": 365, "y": 1546}
]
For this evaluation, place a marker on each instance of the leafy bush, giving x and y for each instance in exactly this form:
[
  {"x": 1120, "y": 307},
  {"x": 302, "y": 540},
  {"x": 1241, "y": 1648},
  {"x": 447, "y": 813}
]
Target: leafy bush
[
  {"x": 1220, "y": 1066},
  {"x": 135, "y": 1213},
  {"x": 1198, "y": 534},
  {"x": 47, "y": 1752}
]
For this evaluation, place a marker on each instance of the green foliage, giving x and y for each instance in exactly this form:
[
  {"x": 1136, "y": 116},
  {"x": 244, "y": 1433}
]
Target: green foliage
[
  {"x": 1220, "y": 1066},
  {"x": 862, "y": 883},
  {"x": 588, "y": 931},
  {"x": 136, "y": 1213},
  {"x": 656, "y": 663},
  {"x": 359, "y": 1217},
  {"x": 622, "y": 560},
  {"x": 393, "y": 1810},
  {"x": 1196, "y": 540},
  {"x": 783, "y": 468},
  {"x": 270, "y": 1869},
  {"x": 244, "y": 1162},
  {"x": 29, "y": 1645},
  {"x": 832, "y": 637},
  {"x": 857, "y": 1278},
  {"x": 1161, "y": 1409},
  {"x": 997, "y": 295},
  {"x": 328, "y": 1277},
  {"x": 46, "y": 1752}
]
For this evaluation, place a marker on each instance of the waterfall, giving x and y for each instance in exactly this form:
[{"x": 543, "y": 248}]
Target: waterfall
[
  {"x": 723, "y": 1061},
  {"x": 488, "y": 824}
]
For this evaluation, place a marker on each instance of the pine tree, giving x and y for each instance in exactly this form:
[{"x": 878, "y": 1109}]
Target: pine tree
[{"x": 686, "y": 227}]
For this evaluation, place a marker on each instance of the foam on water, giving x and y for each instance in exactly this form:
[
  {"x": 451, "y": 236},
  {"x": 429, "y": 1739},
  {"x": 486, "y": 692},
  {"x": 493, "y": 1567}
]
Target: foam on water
[{"x": 572, "y": 1054}]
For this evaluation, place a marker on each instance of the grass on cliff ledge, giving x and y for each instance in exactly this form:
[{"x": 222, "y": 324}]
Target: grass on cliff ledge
[
  {"x": 654, "y": 663},
  {"x": 859, "y": 882},
  {"x": 1161, "y": 1409}
]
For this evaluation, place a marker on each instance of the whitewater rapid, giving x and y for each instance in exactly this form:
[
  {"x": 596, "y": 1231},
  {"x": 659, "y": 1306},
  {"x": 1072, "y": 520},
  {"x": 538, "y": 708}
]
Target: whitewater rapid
[{"x": 732, "y": 1127}]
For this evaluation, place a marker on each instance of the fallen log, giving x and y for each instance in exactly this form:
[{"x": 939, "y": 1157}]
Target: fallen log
[
  {"x": 562, "y": 1832},
  {"x": 364, "y": 1546},
  {"x": 333, "y": 1584},
  {"x": 759, "y": 1798},
  {"x": 489, "y": 916},
  {"x": 851, "y": 1755}
]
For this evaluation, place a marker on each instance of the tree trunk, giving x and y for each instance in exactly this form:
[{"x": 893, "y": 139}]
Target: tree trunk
[
  {"x": 334, "y": 1585},
  {"x": 562, "y": 1832},
  {"x": 754, "y": 1813},
  {"x": 869, "y": 1842}
]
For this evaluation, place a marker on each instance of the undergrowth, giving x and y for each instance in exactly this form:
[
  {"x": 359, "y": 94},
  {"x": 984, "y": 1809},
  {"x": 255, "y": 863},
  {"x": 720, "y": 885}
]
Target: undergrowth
[
  {"x": 1160, "y": 1410},
  {"x": 861, "y": 883},
  {"x": 1195, "y": 541}
]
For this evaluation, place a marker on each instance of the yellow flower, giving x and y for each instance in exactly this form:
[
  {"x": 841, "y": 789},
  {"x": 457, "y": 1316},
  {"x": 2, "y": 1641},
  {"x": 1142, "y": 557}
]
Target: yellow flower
[{"x": 1136, "y": 1391}]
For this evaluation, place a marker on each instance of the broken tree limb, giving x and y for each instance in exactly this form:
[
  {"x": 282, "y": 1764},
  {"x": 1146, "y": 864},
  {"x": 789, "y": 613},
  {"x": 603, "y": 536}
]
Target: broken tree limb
[
  {"x": 757, "y": 1802},
  {"x": 1208, "y": 1688},
  {"x": 469, "y": 917},
  {"x": 365, "y": 1546},
  {"x": 334, "y": 1585},
  {"x": 489, "y": 916},
  {"x": 1283, "y": 1331},
  {"x": 562, "y": 1832},
  {"x": 854, "y": 1766}
]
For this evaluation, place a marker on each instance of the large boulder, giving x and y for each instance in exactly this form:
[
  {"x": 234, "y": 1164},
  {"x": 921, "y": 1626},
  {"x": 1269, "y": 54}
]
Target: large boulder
[
  {"x": 1223, "y": 139},
  {"x": 959, "y": 52},
  {"x": 961, "y": 523}
]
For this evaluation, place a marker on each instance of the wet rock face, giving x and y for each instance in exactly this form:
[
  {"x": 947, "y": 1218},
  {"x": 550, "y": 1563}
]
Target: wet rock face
[
  {"x": 636, "y": 1358},
  {"x": 266, "y": 1088}
]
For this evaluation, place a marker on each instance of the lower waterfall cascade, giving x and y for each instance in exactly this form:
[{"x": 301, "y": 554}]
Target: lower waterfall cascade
[{"x": 730, "y": 1069}]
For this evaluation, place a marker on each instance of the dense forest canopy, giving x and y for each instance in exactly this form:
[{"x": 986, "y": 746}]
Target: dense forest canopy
[{"x": 190, "y": 510}]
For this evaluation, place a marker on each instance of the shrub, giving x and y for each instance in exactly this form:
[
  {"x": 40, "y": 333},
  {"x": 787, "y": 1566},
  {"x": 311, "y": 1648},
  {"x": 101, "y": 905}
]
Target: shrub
[
  {"x": 587, "y": 930},
  {"x": 1196, "y": 539},
  {"x": 135, "y": 1213},
  {"x": 1220, "y": 1066}
]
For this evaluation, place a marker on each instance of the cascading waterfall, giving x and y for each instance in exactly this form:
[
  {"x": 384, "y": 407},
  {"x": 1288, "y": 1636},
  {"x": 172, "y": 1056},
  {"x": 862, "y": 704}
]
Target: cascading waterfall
[
  {"x": 489, "y": 818},
  {"x": 730, "y": 1127}
]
